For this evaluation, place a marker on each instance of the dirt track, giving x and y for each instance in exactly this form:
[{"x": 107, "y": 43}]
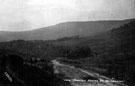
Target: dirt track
[{"x": 76, "y": 75}]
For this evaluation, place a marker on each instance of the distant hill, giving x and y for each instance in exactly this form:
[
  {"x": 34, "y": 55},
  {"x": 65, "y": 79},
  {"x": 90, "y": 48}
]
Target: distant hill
[
  {"x": 118, "y": 39},
  {"x": 67, "y": 29}
]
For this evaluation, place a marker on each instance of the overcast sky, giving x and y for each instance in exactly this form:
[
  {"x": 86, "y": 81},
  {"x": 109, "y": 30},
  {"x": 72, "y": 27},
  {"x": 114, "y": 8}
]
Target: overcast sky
[{"x": 16, "y": 15}]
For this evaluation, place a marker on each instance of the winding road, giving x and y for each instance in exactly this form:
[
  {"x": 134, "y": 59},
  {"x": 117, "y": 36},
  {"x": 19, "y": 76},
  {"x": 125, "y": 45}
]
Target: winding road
[{"x": 73, "y": 72}]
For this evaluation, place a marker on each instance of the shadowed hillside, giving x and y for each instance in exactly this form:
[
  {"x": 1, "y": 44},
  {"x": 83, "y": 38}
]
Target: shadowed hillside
[
  {"x": 122, "y": 57},
  {"x": 114, "y": 53}
]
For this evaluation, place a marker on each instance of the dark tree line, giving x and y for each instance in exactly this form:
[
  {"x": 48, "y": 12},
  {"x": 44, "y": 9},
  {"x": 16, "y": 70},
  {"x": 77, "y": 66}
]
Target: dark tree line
[
  {"x": 75, "y": 52},
  {"x": 46, "y": 50}
]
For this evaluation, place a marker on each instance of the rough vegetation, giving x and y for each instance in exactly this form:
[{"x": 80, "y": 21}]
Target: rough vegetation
[
  {"x": 28, "y": 72},
  {"x": 121, "y": 58},
  {"x": 111, "y": 54}
]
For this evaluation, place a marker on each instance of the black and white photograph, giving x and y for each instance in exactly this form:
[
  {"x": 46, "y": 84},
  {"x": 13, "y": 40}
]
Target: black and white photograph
[{"x": 67, "y": 42}]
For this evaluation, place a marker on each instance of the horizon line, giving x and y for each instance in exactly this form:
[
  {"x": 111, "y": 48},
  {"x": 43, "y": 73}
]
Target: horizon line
[{"x": 102, "y": 20}]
